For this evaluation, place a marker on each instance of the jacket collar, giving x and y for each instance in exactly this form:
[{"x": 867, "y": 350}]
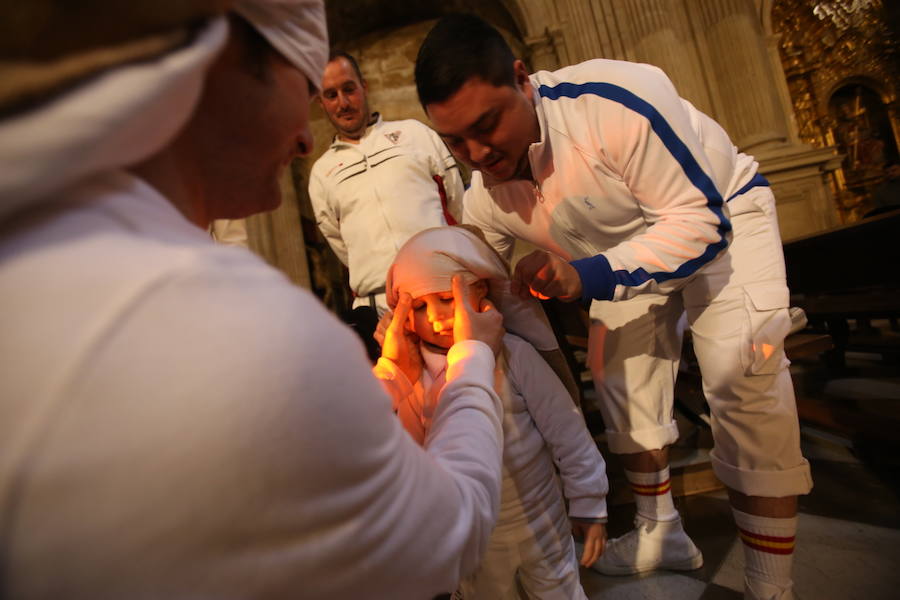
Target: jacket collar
[
  {"x": 539, "y": 153},
  {"x": 336, "y": 142}
]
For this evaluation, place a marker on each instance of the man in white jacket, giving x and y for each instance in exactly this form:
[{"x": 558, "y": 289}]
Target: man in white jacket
[
  {"x": 642, "y": 206},
  {"x": 378, "y": 183},
  {"x": 176, "y": 419}
]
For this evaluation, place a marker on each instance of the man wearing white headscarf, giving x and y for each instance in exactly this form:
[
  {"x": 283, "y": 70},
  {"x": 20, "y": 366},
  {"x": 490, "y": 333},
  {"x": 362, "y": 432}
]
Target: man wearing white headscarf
[{"x": 176, "y": 419}]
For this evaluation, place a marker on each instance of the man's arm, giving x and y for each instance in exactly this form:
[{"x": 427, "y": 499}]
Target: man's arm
[
  {"x": 261, "y": 458},
  {"x": 650, "y": 139},
  {"x": 325, "y": 216},
  {"x": 663, "y": 162},
  {"x": 418, "y": 519}
]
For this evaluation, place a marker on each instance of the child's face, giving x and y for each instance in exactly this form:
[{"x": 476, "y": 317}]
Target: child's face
[{"x": 432, "y": 314}]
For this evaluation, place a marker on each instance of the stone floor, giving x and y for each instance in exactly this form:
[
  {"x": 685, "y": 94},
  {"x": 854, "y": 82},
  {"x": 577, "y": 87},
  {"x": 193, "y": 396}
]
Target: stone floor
[{"x": 848, "y": 543}]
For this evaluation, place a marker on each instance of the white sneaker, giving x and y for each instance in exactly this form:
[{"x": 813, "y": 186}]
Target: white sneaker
[
  {"x": 757, "y": 589},
  {"x": 649, "y": 546}
]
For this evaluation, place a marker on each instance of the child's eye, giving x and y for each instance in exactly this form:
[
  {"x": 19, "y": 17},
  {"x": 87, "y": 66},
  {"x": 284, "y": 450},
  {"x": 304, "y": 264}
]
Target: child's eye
[{"x": 418, "y": 305}]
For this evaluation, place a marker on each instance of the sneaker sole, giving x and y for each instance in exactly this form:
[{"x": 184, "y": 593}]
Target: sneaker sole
[{"x": 692, "y": 564}]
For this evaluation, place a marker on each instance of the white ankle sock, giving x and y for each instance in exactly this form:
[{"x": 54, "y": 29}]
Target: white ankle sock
[
  {"x": 768, "y": 547},
  {"x": 653, "y": 495}
]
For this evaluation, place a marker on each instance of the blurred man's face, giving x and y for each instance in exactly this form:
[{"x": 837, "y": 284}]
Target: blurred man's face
[
  {"x": 249, "y": 125},
  {"x": 345, "y": 99},
  {"x": 490, "y": 128}
]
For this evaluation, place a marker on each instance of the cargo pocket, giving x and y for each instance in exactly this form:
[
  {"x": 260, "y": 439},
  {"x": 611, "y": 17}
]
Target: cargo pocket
[{"x": 766, "y": 324}]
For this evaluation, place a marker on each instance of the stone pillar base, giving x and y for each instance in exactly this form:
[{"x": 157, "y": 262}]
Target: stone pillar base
[{"x": 798, "y": 174}]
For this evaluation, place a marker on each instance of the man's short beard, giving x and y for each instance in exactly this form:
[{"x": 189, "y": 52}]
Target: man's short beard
[{"x": 365, "y": 120}]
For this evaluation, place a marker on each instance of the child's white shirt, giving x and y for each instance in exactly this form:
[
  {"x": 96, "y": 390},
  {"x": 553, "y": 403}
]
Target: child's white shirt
[{"x": 543, "y": 430}]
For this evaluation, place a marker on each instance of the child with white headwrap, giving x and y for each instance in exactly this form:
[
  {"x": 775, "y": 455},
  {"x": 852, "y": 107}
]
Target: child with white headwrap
[{"x": 543, "y": 429}]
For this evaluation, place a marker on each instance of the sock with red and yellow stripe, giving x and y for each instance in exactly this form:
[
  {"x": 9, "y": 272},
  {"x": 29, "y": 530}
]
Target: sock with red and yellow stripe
[
  {"x": 768, "y": 547},
  {"x": 653, "y": 495}
]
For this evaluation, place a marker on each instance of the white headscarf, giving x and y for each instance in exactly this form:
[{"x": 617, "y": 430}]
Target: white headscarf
[
  {"x": 296, "y": 28},
  {"x": 115, "y": 119},
  {"x": 428, "y": 260},
  {"x": 128, "y": 113}
]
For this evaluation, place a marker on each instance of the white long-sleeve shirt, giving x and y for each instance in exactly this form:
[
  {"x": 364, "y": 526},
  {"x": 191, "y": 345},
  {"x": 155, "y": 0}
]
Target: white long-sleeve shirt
[
  {"x": 370, "y": 197},
  {"x": 631, "y": 182},
  {"x": 178, "y": 421}
]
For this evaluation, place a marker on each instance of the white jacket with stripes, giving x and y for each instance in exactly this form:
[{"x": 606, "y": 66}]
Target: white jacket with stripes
[
  {"x": 630, "y": 181},
  {"x": 369, "y": 198}
]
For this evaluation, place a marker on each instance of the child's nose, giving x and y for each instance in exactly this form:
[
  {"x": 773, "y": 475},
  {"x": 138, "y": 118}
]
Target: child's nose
[{"x": 441, "y": 318}]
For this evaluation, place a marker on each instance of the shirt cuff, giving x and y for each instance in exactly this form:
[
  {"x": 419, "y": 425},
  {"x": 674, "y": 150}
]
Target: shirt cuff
[
  {"x": 477, "y": 357},
  {"x": 588, "y": 509},
  {"x": 598, "y": 282}
]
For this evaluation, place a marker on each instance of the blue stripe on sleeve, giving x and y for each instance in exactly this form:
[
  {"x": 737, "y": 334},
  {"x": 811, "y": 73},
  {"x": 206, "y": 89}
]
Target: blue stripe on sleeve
[
  {"x": 604, "y": 286},
  {"x": 758, "y": 180}
]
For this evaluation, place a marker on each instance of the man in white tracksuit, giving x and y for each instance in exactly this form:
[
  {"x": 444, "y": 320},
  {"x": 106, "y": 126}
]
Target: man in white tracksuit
[
  {"x": 378, "y": 183},
  {"x": 177, "y": 420},
  {"x": 641, "y": 204}
]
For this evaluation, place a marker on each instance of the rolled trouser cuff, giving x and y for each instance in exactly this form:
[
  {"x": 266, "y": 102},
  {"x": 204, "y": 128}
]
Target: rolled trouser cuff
[
  {"x": 642, "y": 440},
  {"x": 795, "y": 481}
]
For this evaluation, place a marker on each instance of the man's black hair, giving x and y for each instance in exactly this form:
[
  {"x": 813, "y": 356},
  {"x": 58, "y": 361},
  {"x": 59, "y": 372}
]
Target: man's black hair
[
  {"x": 336, "y": 54},
  {"x": 458, "y": 48}
]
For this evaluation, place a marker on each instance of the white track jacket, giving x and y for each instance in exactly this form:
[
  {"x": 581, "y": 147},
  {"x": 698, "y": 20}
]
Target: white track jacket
[
  {"x": 369, "y": 198},
  {"x": 631, "y": 181}
]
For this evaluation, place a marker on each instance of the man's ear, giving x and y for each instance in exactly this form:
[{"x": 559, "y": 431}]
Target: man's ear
[{"x": 520, "y": 74}]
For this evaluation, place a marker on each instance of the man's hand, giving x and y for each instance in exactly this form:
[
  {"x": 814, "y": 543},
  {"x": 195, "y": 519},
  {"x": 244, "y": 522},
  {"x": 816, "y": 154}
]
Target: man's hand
[
  {"x": 544, "y": 275},
  {"x": 594, "y": 535},
  {"x": 485, "y": 324},
  {"x": 401, "y": 346}
]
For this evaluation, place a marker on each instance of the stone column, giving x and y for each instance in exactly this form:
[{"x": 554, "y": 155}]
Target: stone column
[
  {"x": 594, "y": 30},
  {"x": 745, "y": 93},
  {"x": 649, "y": 31},
  {"x": 773, "y": 42},
  {"x": 662, "y": 36},
  {"x": 542, "y": 52}
]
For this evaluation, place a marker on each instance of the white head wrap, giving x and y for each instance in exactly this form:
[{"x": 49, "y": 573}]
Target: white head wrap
[
  {"x": 128, "y": 113},
  {"x": 296, "y": 28},
  {"x": 116, "y": 119},
  {"x": 428, "y": 260}
]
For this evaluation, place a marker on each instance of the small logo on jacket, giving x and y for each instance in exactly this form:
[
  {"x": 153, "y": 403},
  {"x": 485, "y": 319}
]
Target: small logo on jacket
[{"x": 393, "y": 136}]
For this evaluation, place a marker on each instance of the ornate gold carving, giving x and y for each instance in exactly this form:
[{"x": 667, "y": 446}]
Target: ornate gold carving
[{"x": 840, "y": 58}]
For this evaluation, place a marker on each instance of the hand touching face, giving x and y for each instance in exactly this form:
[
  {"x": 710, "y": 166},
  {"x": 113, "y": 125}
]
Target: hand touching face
[{"x": 433, "y": 315}]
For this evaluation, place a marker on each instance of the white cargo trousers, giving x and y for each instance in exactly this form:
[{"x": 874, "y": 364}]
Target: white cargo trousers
[{"x": 737, "y": 311}]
